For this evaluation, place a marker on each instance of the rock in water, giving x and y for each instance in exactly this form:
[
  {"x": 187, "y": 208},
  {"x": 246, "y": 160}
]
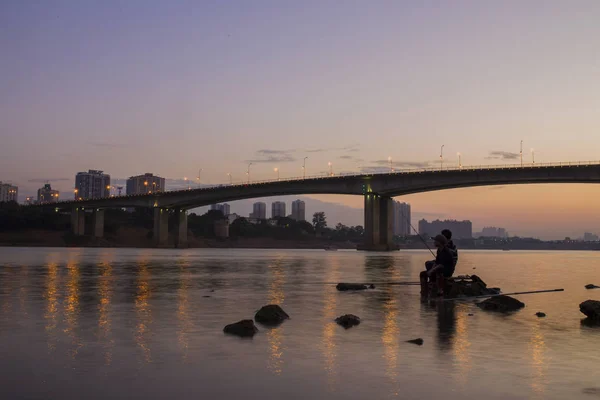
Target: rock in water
[
  {"x": 342, "y": 287},
  {"x": 591, "y": 309},
  {"x": 348, "y": 320},
  {"x": 418, "y": 341},
  {"x": 271, "y": 315},
  {"x": 243, "y": 328},
  {"x": 591, "y": 286},
  {"x": 501, "y": 304},
  {"x": 540, "y": 314}
]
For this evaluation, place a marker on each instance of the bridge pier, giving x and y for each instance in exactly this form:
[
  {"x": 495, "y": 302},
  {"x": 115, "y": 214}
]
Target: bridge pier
[
  {"x": 181, "y": 229},
  {"x": 98, "y": 223},
  {"x": 161, "y": 227},
  {"x": 379, "y": 224},
  {"x": 78, "y": 221}
]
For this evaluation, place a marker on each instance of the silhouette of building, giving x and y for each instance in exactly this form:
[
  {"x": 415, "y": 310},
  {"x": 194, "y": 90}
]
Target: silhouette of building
[
  {"x": 93, "y": 184},
  {"x": 8, "y": 192},
  {"x": 146, "y": 183},
  {"x": 402, "y": 219},
  {"x": 224, "y": 208},
  {"x": 298, "y": 210},
  {"x": 460, "y": 229},
  {"x": 590, "y": 237},
  {"x": 47, "y": 195},
  {"x": 259, "y": 211},
  {"x": 278, "y": 209},
  {"x": 492, "y": 231}
]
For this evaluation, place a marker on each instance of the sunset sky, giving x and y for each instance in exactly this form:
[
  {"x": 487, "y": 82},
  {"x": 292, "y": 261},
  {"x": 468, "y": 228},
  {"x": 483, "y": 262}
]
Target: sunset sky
[{"x": 171, "y": 87}]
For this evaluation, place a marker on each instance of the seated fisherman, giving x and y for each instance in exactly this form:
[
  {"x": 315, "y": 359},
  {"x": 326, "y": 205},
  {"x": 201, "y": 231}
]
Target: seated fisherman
[
  {"x": 442, "y": 267},
  {"x": 448, "y": 234}
]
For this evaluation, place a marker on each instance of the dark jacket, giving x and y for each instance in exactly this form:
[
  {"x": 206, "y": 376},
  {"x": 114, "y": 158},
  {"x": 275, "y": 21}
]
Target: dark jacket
[
  {"x": 445, "y": 257},
  {"x": 452, "y": 247}
]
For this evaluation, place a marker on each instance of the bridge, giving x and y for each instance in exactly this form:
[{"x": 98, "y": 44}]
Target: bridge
[{"x": 377, "y": 190}]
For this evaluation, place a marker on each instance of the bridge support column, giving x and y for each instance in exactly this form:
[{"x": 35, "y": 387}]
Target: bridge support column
[
  {"x": 98, "y": 223},
  {"x": 161, "y": 227},
  {"x": 78, "y": 221},
  {"x": 379, "y": 224},
  {"x": 181, "y": 231}
]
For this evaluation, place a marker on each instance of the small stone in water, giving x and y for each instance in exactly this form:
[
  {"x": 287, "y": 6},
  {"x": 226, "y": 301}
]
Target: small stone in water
[
  {"x": 417, "y": 341},
  {"x": 540, "y": 314}
]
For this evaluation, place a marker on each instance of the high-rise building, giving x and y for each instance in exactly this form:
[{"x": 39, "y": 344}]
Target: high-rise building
[
  {"x": 224, "y": 208},
  {"x": 47, "y": 195},
  {"x": 143, "y": 184},
  {"x": 259, "y": 210},
  {"x": 298, "y": 210},
  {"x": 590, "y": 237},
  {"x": 93, "y": 184},
  {"x": 492, "y": 231},
  {"x": 460, "y": 229},
  {"x": 402, "y": 219},
  {"x": 8, "y": 192},
  {"x": 278, "y": 209}
]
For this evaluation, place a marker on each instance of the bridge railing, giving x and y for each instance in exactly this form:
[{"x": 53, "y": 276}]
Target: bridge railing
[{"x": 382, "y": 171}]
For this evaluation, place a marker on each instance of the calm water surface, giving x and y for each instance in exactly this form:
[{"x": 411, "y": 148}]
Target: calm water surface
[{"x": 120, "y": 324}]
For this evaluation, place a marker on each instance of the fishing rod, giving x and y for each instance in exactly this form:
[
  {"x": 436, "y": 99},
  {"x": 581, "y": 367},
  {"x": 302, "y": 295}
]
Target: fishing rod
[
  {"x": 506, "y": 294},
  {"x": 413, "y": 228}
]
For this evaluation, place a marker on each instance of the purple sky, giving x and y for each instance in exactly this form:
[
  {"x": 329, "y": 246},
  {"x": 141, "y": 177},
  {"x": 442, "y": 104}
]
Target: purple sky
[{"x": 171, "y": 87}]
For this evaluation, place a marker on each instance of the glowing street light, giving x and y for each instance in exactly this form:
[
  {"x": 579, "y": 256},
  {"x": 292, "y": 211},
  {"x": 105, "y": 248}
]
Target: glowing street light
[
  {"x": 248, "y": 172},
  {"x": 304, "y": 168},
  {"x": 521, "y": 153},
  {"x": 390, "y": 161},
  {"x": 230, "y": 179},
  {"x": 459, "y": 163},
  {"x": 277, "y": 172},
  {"x": 442, "y": 157},
  {"x": 330, "y": 168},
  {"x": 199, "y": 175}
]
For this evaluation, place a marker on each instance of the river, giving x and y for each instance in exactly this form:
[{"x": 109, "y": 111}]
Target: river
[{"x": 138, "y": 323}]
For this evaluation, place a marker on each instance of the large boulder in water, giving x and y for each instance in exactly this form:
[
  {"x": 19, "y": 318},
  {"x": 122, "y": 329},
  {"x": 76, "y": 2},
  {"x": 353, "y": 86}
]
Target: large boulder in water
[
  {"x": 342, "y": 287},
  {"x": 271, "y": 315},
  {"x": 591, "y": 309},
  {"x": 501, "y": 304},
  {"x": 348, "y": 320},
  {"x": 243, "y": 328}
]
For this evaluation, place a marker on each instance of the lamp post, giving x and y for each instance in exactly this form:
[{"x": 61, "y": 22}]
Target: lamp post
[
  {"x": 532, "y": 156},
  {"x": 230, "y": 179},
  {"x": 199, "y": 175},
  {"x": 76, "y": 191},
  {"x": 442, "y": 157},
  {"x": 276, "y": 171},
  {"x": 459, "y": 163},
  {"x": 304, "y": 168},
  {"x": 248, "y": 172},
  {"x": 330, "y": 168},
  {"x": 521, "y": 153},
  {"x": 390, "y": 161}
]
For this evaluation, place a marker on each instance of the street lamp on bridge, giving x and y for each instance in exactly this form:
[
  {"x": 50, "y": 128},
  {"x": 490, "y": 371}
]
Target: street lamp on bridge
[
  {"x": 330, "y": 168},
  {"x": 304, "y": 168},
  {"x": 248, "y": 172},
  {"x": 199, "y": 174},
  {"x": 532, "y": 156},
  {"x": 442, "y": 157},
  {"x": 230, "y": 179},
  {"x": 390, "y": 161},
  {"x": 521, "y": 153},
  {"x": 277, "y": 172},
  {"x": 459, "y": 163}
]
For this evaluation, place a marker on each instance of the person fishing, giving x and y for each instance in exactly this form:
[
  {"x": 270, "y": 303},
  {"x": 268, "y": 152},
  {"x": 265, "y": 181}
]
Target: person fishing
[
  {"x": 439, "y": 269},
  {"x": 448, "y": 234}
]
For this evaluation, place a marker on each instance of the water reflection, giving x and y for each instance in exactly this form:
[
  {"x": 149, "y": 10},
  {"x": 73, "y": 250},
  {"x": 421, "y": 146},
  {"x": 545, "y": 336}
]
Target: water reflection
[
  {"x": 183, "y": 307},
  {"x": 72, "y": 306},
  {"x": 23, "y": 291},
  {"x": 461, "y": 347},
  {"x": 275, "y": 335},
  {"x": 390, "y": 335},
  {"x": 51, "y": 296},
  {"x": 105, "y": 293},
  {"x": 329, "y": 326},
  {"x": 537, "y": 347},
  {"x": 143, "y": 310}
]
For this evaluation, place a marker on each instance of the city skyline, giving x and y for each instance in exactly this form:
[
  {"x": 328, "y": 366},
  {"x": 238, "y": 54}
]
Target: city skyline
[{"x": 511, "y": 72}]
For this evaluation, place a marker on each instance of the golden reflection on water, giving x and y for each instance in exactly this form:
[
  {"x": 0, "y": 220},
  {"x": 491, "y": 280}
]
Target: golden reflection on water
[
  {"x": 143, "y": 311},
  {"x": 390, "y": 334},
  {"x": 51, "y": 296},
  {"x": 462, "y": 345},
  {"x": 183, "y": 308},
  {"x": 537, "y": 345},
  {"x": 104, "y": 320},
  {"x": 23, "y": 293},
  {"x": 275, "y": 335},
  {"x": 329, "y": 326},
  {"x": 72, "y": 307}
]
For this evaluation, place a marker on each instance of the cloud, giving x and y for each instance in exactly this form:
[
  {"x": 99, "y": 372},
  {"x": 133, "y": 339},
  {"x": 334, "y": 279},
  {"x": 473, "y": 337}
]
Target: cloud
[
  {"x": 44, "y": 180},
  {"x": 502, "y": 155},
  {"x": 403, "y": 164},
  {"x": 349, "y": 148},
  {"x": 273, "y": 152},
  {"x": 272, "y": 159}
]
